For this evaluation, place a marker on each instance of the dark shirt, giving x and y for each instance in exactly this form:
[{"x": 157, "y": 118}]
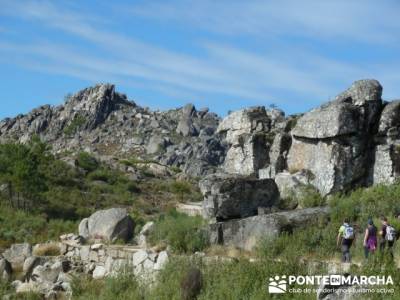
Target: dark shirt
[
  {"x": 347, "y": 242},
  {"x": 372, "y": 230},
  {"x": 384, "y": 232}
]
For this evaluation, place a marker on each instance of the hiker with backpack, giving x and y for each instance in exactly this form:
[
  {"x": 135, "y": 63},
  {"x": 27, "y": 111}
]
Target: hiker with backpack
[
  {"x": 345, "y": 239},
  {"x": 388, "y": 236},
  {"x": 370, "y": 238}
]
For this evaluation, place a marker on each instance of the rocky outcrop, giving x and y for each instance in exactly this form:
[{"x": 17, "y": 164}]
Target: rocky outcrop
[
  {"x": 293, "y": 187},
  {"x": 51, "y": 276},
  {"x": 277, "y": 155},
  {"x": 17, "y": 254},
  {"x": 102, "y": 260},
  {"x": 333, "y": 142},
  {"x": 386, "y": 167},
  {"x": 350, "y": 141},
  {"x": 185, "y": 126},
  {"x": 30, "y": 264},
  {"x": 246, "y": 233},
  {"x": 245, "y": 132},
  {"x": 258, "y": 141},
  {"x": 195, "y": 148},
  {"x": 93, "y": 105},
  {"x": 109, "y": 225},
  {"x": 102, "y": 121},
  {"x": 234, "y": 196},
  {"x": 141, "y": 238}
]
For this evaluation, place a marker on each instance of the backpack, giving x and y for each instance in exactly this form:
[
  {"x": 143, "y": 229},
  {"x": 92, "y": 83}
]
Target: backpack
[
  {"x": 348, "y": 233},
  {"x": 390, "y": 233}
]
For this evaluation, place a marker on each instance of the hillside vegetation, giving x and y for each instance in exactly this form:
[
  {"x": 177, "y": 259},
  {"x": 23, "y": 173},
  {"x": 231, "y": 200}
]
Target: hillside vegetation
[
  {"x": 43, "y": 195},
  {"x": 290, "y": 254},
  {"x": 240, "y": 278}
]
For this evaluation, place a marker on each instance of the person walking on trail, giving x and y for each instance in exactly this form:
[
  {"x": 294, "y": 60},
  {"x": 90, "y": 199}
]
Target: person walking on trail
[
  {"x": 388, "y": 236},
  {"x": 370, "y": 238},
  {"x": 345, "y": 239}
]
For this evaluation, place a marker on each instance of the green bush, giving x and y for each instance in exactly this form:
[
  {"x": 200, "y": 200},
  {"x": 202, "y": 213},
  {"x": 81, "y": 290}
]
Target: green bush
[
  {"x": 118, "y": 183},
  {"x": 87, "y": 162},
  {"x": 316, "y": 241},
  {"x": 225, "y": 280},
  {"x": 18, "y": 226},
  {"x": 181, "y": 189},
  {"x": 319, "y": 240},
  {"x": 59, "y": 173},
  {"x": 103, "y": 175},
  {"x": 74, "y": 127},
  {"x": 5, "y": 288},
  {"x": 237, "y": 279},
  {"x": 366, "y": 202},
  {"x": 21, "y": 171},
  {"x": 124, "y": 286},
  {"x": 310, "y": 198},
  {"x": 183, "y": 233}
]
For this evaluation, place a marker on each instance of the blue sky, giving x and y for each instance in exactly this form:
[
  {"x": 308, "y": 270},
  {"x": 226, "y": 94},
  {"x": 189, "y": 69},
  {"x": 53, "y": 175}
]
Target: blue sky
[{"x": 219, "y": 54}]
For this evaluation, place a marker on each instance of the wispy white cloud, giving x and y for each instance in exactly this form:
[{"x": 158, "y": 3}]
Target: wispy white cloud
[
  {"x": 223, "y": 67},
  {"x": 364, "y": 20}
]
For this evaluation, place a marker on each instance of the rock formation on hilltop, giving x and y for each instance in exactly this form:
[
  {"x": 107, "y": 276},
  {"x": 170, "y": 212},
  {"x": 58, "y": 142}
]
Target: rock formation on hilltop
[
  {"x": 104, "y": 122},
  {"x": 350, "y": 141},
  {"x": 335, "y": 141}
]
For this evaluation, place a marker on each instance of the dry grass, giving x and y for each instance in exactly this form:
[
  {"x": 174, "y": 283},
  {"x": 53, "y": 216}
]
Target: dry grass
[
  {"x": 294, "y": 170},
  {"x": 228, "y": 251},
  {"x": 159, "y": 247},
  {"x": 49, "y": 249}
]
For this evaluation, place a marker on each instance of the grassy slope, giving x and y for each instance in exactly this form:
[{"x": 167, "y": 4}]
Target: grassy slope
[
  {"x": 69, "y": 193},
  {"x": 243, "y": 279},
  {"x": 72, "y": 193}
]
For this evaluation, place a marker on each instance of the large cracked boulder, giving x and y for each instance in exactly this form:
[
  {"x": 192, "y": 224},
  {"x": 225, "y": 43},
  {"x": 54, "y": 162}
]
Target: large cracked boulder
[
  {"x": 17, "y": 254},
  {"x": 328, "y": 121},
  {"x": 110, "y": 225},
  {"x": 245, "y": 132},
  {"x": 293, "y": 187},
  {"x": 386, "y": 168},
  {"x": 333, "y": 141},
  {"x": 234, "y": 196},
  {"x": 47, "y": 273},
  {"x": 156, "y": 144},
  {"x": 389, "y": 122},
  {"x": 185, "y": 126},
  {"x": 246, "y": 233}
]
